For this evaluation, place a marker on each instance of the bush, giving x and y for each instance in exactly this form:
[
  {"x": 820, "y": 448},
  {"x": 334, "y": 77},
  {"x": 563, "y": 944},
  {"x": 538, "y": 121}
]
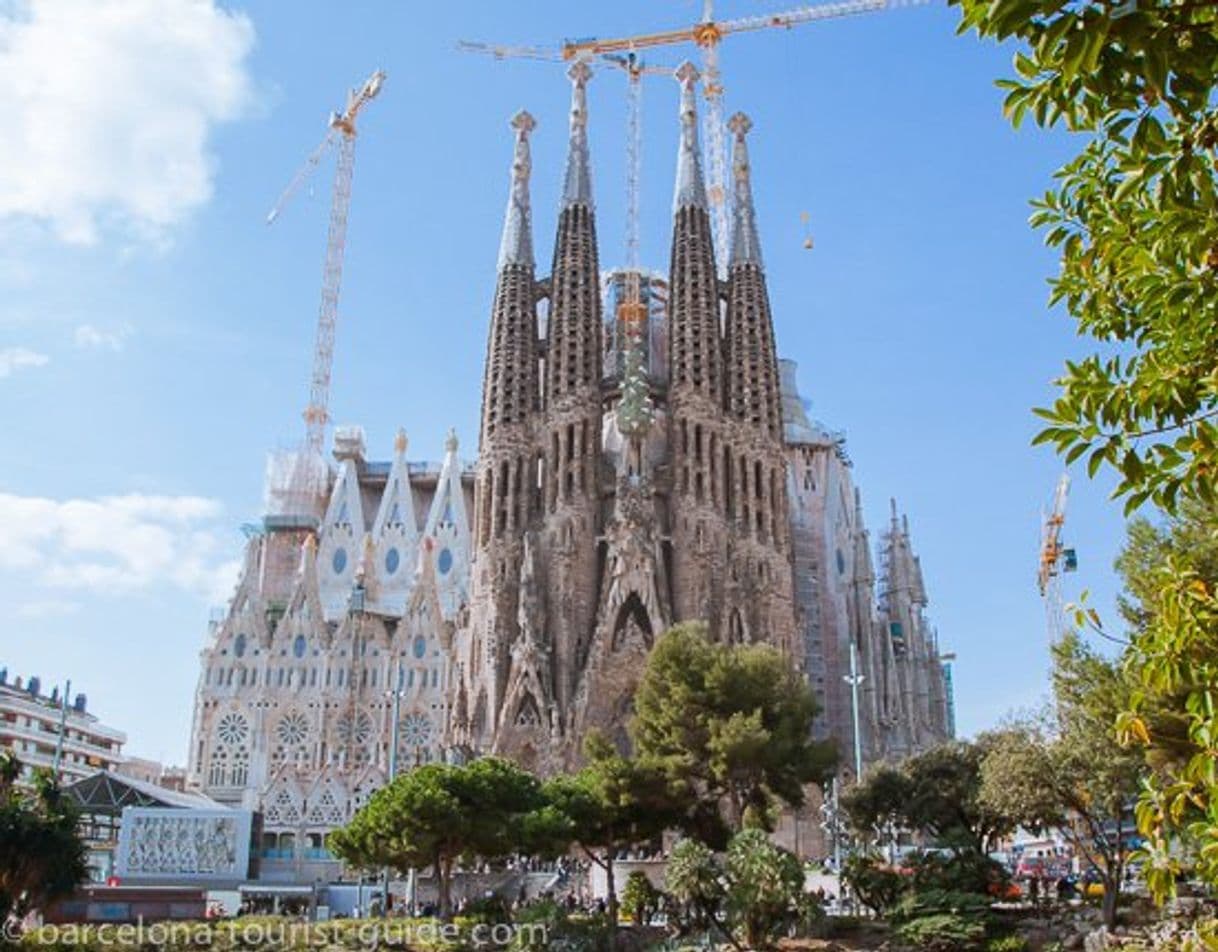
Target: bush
[
  {"x": 640, "y": 898},
  {"x": 943, "y": 932},
  {"x": 1007, "y": 943},
  {"x": 575, "y": 933},
  {"x": 878, "y": 887},
  {"x": 694, "y": 880},
  {"x": 930, "y": 902},
  {"x": 968, "y": 871},
  {"x": 765, "y": 884}
]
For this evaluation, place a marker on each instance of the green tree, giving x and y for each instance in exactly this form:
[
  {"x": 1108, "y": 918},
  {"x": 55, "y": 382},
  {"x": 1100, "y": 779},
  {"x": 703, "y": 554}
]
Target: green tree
[
  {"x": 435, "y": 814},
  {"x": 694, "y": 879},
  {"x": 42, "y": 857},
  {"x": 733, "y": 724},
  {"x": 878, "y": 887},
  {"x": 1071, "y": 773},
  {"x": 640, "y": 898},
  {"x": 937, "y": 792},
  {"x": 876, "y": 808},
  {"x": 1170, "y": 573},
  {"x": 765, "y": 885},
  {"x": 612, "y": 804},
  {"x": 1133, "y": 214}
]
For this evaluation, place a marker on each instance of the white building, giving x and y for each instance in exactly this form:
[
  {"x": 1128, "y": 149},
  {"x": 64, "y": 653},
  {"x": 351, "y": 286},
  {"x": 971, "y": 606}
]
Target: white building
[
  {"x": 30, "y": 726},
  {"x": 333, "y": 617}
]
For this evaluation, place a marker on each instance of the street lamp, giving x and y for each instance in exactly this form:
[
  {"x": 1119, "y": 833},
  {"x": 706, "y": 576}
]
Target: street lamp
[
  {"x": 395, "y": 695},
  {"x": 854, "y": 679}
]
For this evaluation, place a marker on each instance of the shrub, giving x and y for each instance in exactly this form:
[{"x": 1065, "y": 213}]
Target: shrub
[
  {"x": 878, "y": 887},
  {"x": 943, "y": 932},
  {"x": 969, "y": 871},
  {"x": 694, "y": 879},
  {"x": 1007, "y": 943},
  {"x": 765, "y": 883},
  {"x": 932, "y": 902},
  {"x": 573, "y": 933},
  {"x": 640, "y": 898}
]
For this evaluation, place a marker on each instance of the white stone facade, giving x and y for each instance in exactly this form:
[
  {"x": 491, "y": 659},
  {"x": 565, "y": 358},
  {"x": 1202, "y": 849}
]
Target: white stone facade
[{"x": 296, "y": 693}]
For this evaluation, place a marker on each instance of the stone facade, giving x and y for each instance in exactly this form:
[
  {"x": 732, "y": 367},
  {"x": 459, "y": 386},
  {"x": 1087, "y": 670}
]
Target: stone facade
[
  {"x": 300, "y": 680},
  {"x": 644, "y": 459}
]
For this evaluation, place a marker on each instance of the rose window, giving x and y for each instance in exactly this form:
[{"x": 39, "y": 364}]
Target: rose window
[
  {"x": 232, "y": 730},
  {"x": 414, "y": 731},
  {"x": 357, "y": 730},
  {"x": 293, "y": 729}
]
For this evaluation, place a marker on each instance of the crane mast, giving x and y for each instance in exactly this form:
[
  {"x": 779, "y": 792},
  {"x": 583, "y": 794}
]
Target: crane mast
[
  {"x": 341, "y": 134},
  {"x": 1055, "y": 559}
]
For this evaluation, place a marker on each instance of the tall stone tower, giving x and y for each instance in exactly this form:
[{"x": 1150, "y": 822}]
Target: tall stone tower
[
  {"x": 699, "y": 458},
  {"x": 571, "y": 422},
  {"x": 505, "y": 487},
  {"x": 759, "y": 591}
]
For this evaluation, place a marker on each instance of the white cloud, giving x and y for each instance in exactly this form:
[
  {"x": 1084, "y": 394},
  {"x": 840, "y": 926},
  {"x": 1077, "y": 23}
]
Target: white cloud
[
  {"x": 13, "y": 359},
  {"x": 109, "y": 105},
  {"x": 88, "y": 336},
  {"x": 119, "y": 544}
]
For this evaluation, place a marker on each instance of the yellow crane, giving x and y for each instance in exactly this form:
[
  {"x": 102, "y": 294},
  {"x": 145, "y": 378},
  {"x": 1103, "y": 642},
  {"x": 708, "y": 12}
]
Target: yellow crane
[
  {"x": 1055, "y": 559},
  {"x": 341, "y": 133},
  {"x": 707, "y": 34}
]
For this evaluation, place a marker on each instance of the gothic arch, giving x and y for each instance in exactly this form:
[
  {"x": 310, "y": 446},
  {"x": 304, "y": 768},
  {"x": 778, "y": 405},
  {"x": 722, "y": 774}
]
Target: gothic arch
[{"x": 633, "y": 609}]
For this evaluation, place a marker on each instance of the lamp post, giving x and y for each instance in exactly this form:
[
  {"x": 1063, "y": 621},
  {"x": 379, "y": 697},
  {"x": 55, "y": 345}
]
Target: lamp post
[
  {"x": 854, "y": 679},
  {"x": 395, "y": 695},
  {"x": 63, "y": 725}
]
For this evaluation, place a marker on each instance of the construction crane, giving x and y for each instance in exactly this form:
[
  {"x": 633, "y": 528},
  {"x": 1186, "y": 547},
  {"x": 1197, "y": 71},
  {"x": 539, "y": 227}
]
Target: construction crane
[
  {"x": 1055, "y": 559},
  {"x": 341, "y": 134},
  {"x": 707, "y": 34}
]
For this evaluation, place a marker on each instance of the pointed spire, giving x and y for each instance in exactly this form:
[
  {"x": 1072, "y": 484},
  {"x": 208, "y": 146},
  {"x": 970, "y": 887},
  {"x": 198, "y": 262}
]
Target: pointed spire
[
  {"x": 516, "y": 248},
  {"x": 400, "y": 443},
  {"x": 746, "y": 248},
  {"x": 691, "y": 189},
  {"x": 577, "y": 189}
]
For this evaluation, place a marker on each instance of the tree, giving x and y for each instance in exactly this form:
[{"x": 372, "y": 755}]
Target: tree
[
  {"x": 937, "y": 792},
  {"x": 693, "y": 877},
  {"x": 876, "y": 807},
  {"x": 42, "y": 857},
  {"x": 437, "y": 813},
  {"x": 1133, "y": 215},
  {"x": 765, "y": 884},
  {"x": 640, "y": 897},
  {"x": 612, "y": 804},
  {"x": 1170, "y": 572},
  {"x": 877, "y": 886},
  {"x": 733, "y": 724},
  {"x": 754, "y": 891},
  {"x": 1072, "y": 774}
]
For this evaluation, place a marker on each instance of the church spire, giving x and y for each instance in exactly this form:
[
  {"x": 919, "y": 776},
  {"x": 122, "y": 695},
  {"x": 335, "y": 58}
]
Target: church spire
[
  {"x": 746, "y": 248},
  {"x": 573, "y": 365},
  {"x": 753, "y": 389},
  {"x": 577, "y": 188},
  {"x": 695, "y": 347},
  {"x": 690, "y": 189},
  {"x": 516, "y": 248}
]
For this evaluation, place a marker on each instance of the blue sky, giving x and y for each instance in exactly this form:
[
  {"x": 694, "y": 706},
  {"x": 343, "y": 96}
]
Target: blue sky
[{"x": 156, "y": 335}]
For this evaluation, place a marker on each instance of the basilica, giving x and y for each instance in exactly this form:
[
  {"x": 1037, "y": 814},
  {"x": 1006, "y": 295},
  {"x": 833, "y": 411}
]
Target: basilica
[{"x": 644, "y": 458}]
